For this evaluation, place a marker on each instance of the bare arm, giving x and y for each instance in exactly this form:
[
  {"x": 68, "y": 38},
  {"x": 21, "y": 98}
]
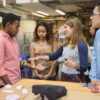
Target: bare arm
[
  {"x": 32, "y": 51},
  {"x": 32, "y": 65},
  {"x": 32, "y": 55},
  {"x": 54, "y": 63}
]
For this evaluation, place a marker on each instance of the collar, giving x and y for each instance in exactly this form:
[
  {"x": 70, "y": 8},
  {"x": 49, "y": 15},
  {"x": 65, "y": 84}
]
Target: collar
[{"x": 6, "y": 35}]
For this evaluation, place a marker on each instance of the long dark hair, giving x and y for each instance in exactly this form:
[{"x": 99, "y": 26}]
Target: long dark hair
[{"x": 49, "y": 35}]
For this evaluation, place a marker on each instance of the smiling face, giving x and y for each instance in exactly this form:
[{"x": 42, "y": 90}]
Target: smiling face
[
  {"x": 42, "y": 32},
  {"x": 95, "y": 18},
  {"x": 73, "y": 31},
  {"x": 68, "y": 30}
]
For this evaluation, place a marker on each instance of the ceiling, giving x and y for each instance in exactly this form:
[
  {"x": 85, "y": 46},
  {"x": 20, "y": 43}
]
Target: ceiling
[{"x": 49, "y": 6}]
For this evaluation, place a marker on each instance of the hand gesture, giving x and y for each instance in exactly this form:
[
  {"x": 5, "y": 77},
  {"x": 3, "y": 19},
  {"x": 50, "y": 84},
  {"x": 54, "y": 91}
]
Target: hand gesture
[
  {"x": 40, "y": 67},
  {"x": 45, "y": 77},
  {"x": 69, "y": 63},
  {"x": 94, "y": 86}
]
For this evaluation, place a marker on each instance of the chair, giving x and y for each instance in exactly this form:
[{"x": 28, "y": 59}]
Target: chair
[{"x": 25, "y": 57}]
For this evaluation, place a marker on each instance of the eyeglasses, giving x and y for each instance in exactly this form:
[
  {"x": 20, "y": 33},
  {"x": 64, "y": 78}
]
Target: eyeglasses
[{"x": 95, "y": 14}]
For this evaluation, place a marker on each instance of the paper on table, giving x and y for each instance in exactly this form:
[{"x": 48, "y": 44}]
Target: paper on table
[
  {"x": 24, "y": 91},
  {"x": 19, "y": 87},
  {"x": 13, "y": 97},
  {"x": 8, "y": 91},
  {"x": 8, "y": 86}
]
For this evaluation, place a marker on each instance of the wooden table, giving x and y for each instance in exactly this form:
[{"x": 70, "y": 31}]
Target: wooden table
[{"x": 76, "y": 91}]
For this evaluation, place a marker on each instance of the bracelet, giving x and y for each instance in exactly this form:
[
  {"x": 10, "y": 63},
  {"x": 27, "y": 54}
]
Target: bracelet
[
  {"x": 33, "y": 66},
  {"x": 23, "y": 63}
]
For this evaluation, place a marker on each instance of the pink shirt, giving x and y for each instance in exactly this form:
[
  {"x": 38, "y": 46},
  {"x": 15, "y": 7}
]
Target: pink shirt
[{"x": 9, "y": 58}]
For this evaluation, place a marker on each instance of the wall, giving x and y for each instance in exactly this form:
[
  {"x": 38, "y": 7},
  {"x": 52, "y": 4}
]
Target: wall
[{"x": 25, "y": 35}]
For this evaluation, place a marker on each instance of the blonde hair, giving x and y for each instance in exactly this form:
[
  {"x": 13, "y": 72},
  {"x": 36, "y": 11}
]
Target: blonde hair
[{"x": 77, "y": 35}]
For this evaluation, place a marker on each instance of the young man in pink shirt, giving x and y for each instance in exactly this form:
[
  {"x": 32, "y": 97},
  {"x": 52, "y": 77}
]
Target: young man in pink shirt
[{"x": 9, "y": 54}]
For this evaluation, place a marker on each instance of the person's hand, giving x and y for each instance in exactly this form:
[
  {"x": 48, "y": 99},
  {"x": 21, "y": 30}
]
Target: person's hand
[
  {"x": 94, "y": 82},
  {"x": 40, "y": 76},
  {"x": 36, "y": 97},
  {"x": 94, "y": 86},
  {"x": 45, "y": 77},
  {"x": 40, "y": 67},
  {"x": 69, "y": 63},
  {"x": 43, "y": 96}
]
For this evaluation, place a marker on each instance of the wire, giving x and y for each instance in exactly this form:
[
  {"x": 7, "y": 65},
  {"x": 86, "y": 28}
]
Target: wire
[{"x": 78, "y": 78}]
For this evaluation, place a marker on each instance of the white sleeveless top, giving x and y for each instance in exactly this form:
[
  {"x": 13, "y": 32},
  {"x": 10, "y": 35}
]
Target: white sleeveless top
[{"x": 42, "y": 50}]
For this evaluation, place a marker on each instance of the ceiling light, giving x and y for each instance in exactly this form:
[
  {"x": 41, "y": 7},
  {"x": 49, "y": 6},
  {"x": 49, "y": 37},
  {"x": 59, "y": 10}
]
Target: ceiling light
[
  {"x": 42, "y": 13},
  {"x": 15, "y": 10},
  {"x": 37, "y": 14},
  {"x": 35, "y": 1},
  {"x": 60, "y": 12},
  {"x": 4, "y": 3}
]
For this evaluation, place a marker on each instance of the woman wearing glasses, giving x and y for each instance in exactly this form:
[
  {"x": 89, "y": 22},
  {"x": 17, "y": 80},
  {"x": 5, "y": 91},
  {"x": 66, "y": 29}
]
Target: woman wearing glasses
[{"x": 95, "y": 63}]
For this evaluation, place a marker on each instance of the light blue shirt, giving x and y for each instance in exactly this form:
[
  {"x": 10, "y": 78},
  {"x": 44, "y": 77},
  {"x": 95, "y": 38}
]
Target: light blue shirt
[{"x": 95, "y": 60}]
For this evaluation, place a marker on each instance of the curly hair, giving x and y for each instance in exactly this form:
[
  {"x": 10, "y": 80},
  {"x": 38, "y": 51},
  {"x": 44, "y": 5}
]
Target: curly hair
[
  {"x": 49, "y": 35},
  {"x": 9, "y": 18}
]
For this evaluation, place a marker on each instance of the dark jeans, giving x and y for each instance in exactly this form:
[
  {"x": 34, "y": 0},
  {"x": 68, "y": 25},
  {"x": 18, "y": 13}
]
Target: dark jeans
[{"x": 72, "y": 77}]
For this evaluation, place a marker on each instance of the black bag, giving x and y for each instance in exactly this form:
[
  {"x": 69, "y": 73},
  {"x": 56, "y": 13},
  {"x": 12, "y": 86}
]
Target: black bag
[{"x": 51, "y": 91}]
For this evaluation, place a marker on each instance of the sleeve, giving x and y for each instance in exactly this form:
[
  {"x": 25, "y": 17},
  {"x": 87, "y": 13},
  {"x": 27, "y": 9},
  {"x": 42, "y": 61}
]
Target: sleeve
[
  {"x": 2, "y": 69},
  {"x": 83, "y": 56},
  {"x": 93, "y": 71},
  {"x": 19, "y": 56},
  {"x": 56, "y": 54}
]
